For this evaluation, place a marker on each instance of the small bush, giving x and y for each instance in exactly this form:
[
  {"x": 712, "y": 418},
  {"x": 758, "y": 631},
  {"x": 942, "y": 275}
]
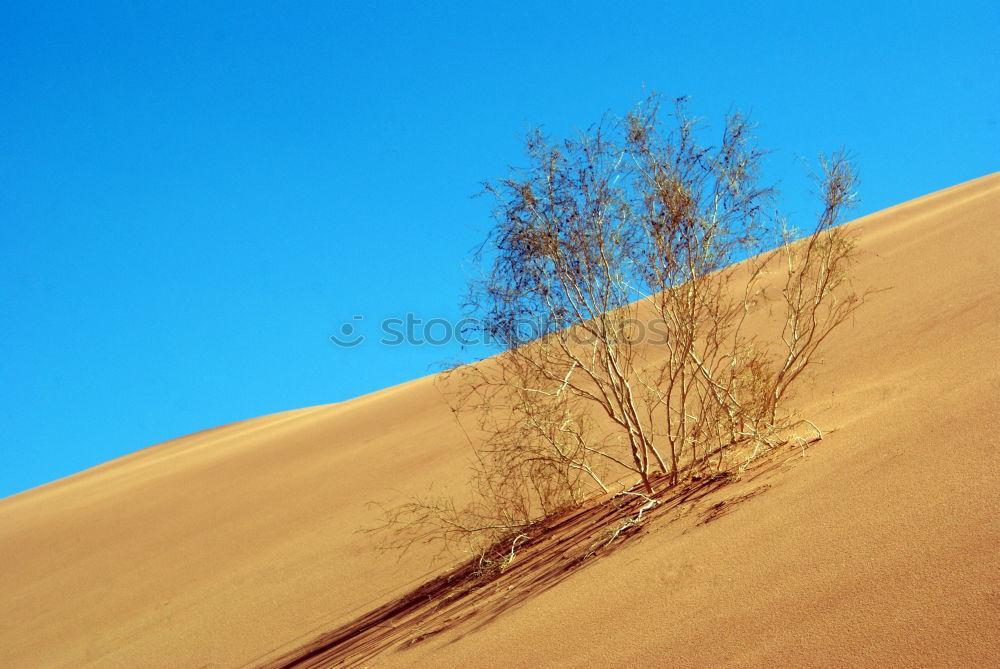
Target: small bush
[{"x": 633, "y": 225}]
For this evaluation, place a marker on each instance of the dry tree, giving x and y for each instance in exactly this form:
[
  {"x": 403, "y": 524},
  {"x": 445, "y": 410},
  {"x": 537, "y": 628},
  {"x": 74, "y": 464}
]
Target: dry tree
[{"x": 632, "y": 281}]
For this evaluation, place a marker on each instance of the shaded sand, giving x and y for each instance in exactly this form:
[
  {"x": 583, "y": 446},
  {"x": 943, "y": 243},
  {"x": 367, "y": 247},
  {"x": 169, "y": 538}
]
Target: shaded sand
[{"x": 880, "y": 548}]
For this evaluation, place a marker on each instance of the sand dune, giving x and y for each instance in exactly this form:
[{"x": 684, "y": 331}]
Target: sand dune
[{"x": 880, "y": 548}]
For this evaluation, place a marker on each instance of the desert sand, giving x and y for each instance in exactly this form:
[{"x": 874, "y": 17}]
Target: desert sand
[{"x": 881, "y": 547}]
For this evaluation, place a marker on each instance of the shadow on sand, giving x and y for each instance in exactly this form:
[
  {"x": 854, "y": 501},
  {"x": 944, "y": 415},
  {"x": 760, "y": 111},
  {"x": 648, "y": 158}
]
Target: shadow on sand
[{"x": 463, "y": 600}]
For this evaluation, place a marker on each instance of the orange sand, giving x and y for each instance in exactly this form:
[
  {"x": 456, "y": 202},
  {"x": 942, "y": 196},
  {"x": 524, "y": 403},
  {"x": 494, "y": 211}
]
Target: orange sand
[{"x": 880, "y": 548}]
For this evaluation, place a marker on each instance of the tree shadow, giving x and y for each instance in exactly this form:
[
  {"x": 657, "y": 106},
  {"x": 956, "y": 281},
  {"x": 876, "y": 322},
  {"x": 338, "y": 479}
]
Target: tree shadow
[{"x": 465, "y": 599}]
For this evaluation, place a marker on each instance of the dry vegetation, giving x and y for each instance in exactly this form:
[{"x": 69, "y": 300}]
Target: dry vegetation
[{"x": 618, "y": 282}]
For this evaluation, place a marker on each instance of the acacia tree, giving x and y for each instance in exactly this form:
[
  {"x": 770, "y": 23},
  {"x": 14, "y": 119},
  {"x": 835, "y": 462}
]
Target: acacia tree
[{"x": 611, "y": 286}]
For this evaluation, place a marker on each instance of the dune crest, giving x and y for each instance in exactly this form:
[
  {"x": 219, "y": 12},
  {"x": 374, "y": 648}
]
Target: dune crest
[{"x": 879, "y": 548}]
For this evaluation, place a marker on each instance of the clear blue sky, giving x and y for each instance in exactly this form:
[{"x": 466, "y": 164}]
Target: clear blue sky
[{"x": 195, "y": 195}]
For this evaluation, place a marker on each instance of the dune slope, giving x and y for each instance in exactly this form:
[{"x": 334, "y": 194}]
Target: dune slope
[{"x": 879, "y": 548}]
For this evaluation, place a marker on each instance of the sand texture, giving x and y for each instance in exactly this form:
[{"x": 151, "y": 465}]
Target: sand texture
[{"x": 881, "y": 547}]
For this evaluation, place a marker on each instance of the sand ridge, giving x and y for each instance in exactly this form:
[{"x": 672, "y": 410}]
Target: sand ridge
[{"x": 879, "y": 548}]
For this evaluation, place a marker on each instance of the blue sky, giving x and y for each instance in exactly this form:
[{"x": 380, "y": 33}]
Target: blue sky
[{"x": 196, "y": 195}]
